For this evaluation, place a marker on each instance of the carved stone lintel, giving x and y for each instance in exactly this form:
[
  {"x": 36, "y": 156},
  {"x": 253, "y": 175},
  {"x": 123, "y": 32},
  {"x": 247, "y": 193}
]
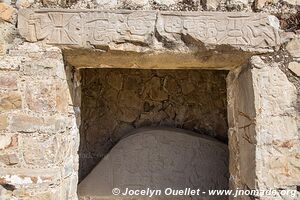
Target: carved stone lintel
[{"x": 106, "y": 28}]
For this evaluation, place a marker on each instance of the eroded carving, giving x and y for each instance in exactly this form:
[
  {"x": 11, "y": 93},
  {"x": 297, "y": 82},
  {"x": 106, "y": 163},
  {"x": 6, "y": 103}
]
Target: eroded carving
[
  {"x": 90, "y": 27},
  {"x": 236, "y": 29}
]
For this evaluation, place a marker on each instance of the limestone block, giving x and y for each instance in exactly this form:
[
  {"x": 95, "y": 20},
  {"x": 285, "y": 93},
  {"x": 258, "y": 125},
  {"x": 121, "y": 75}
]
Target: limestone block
[
  {"x": 10, "y": 63},
  {"x": 240, "y": 2},
  {"x": 24, "y": 3},
  {"x": 163, "y": 158},
  {"x": 259, "y": 4},
  {"x": 10, "y": 101},
  {"x": 8, "y": 80},
  {"x": 293, "y": 47},
  {"x": 292, "y": 2},
  {"x": 137, "y": 3},
  {"x": 6, "y": 12},
  {"x": 8, "y": 141},
  {"x": 3, "y": 122},
  {"x": 212, "y": 4},
  {"x": 295, "y": 68},
  {"x": 138, "y": 27},
  {"x": 44, "y": 150},
  {"x": 40, "y": 96},
  {"x": 9, "y": 159},
  {"x": 2, "y": 49},
  {"x": 63, "y": 98},
  {"x": 166, "y": 2},
  {"x": 280, "y": 95},
  {"x": 28, "y": 123},
  {"x": 107, "y": 3}
]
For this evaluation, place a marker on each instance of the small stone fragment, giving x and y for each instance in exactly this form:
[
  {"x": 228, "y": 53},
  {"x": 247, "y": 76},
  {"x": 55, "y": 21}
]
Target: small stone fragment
[
  {"x": 6, "y": 12},
  {"x": 293, "y": 47},
  {"x": 295, "y": 68},
  {"x": 24, "y": 3}
]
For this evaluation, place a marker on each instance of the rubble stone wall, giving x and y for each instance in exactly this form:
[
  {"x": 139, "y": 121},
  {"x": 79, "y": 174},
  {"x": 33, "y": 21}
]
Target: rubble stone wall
[{"x": 117, "y": 101}]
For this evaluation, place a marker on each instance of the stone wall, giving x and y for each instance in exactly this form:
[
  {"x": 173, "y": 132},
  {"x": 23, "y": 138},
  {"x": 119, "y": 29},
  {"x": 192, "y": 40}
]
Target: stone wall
[
  {"x": 116, "y": 101},
  {"x": 38, "y": 138},
  {"x": 263, "y": 105}
]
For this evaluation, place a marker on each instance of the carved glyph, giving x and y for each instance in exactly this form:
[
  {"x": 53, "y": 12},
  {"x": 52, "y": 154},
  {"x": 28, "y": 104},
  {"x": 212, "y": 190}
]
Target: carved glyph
[{"x": 105, "y": 28}]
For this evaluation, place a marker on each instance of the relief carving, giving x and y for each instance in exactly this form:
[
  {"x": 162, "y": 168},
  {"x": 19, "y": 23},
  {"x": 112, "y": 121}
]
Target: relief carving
[
  {"x": 84, "y": 27},
  {"x": 235, "y": 29}
]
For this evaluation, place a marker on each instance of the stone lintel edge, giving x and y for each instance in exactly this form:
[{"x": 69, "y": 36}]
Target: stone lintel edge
[
  {"x": 263, "y": 29},
  {"x": 123, "y": 11}
]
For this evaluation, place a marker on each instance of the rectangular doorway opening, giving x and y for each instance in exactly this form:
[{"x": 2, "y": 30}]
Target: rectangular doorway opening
[{"x": 117, "y": 102}]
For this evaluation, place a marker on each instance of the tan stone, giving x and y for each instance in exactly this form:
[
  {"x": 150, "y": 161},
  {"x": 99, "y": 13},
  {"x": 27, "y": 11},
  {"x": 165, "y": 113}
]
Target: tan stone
[
  {"x": 28, "y": 123},
  {"x": 9, "y": 159},
  {"x": 259, "y": 4},
  {"x": 10, "y": 101},
  {"x": 212, "y": 4},
  {"x": 155, "y": 90},
  {"x": 2, "y": 49},
  {"x": 168, "y": 26},
  {"x": 3, "y": 122},
  {"x": 6, "y": 12},
  {"x": 21, "y": 4},
  {"x": 8, "y": 141},
  {"x": 295, "y": 68},
  {"x": 166, "y": 2},
  {"x": 34, "y": 153},
  {"x": 41, "y": 96},
  {"x": 292, "y": 2},
  {"x": 107, "y": 3},
  {"x": 293, "y": 47},
  {"x": 8, "y": 80},
  {"x": 63, "y": 99}
]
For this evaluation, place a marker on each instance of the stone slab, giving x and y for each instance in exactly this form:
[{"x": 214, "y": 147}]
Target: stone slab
[
  {"x": 160, "y": 159},
  {"x": 151, "y": 29}
]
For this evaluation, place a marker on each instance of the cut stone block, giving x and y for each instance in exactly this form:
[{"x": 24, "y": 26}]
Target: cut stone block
[{"x": 149, "y": 30}]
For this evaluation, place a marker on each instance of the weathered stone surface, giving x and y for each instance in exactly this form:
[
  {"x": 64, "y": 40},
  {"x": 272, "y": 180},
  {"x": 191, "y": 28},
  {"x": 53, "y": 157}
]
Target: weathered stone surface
[
  {"x": 3, "y": 122},
  {"x": 138, "y": 98},
  {"x": 134, "y": 27},
  {"x": 21, "y": 4},
  {"x": 9, "y": 159},
  {"x": 259, "y": 4},
  {"x": 6, "y": 12},
  {"x": 295, "y": 68},
  {"x": 8, "y": 141},
  {"x": 107, "y": 3},
  {"x": 292, "y": 2},
  {"x": 293, "y": 47},
  {"x": 164, "y": 158},
  {"x": 10, "y": 101},
  {"x": 28, "y": 123},
  {"x": 212, "y": 4},
  {"x": 166, "y": 2},
  {"x": 40, "y": 96},
  {"x": 34, "y": 153},
  {"x": 8, "y": 80}
]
